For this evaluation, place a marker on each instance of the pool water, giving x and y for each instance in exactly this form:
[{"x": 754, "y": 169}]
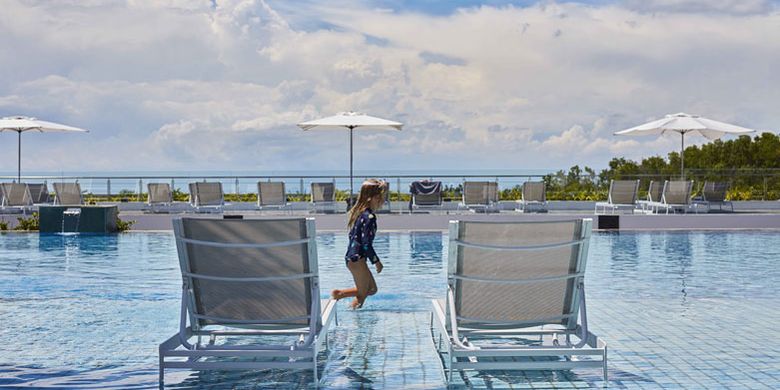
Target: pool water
[{"x": 677, "y": 309}]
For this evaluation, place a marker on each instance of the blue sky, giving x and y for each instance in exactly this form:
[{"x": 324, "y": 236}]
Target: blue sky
[{"x": 189, "y": 85}]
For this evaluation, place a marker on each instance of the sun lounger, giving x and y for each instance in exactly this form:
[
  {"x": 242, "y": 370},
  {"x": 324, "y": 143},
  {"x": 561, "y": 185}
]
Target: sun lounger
[
  {"x": 207, "y": 196},
  {"x": 713, "y": 193},
  {"x": 272, "y": 195},
  {"x": 425, "y": 195},
  {"x": 39, "y": 192},
  {"x": 654, "y": 191},
  {"x": 479, "y": 195},
  {"x": 676, "y": 195},
  {"x": 243, "y": 282},
  {"x": 160, "y": 197},
  {"x": 622, "y": 195},
  {"x": 534, "y": 196},
  {"x": 16, "y": 197},
  {"x": 515, "y": 292},
  {"x": 323, "y": 196},
  {"x": 68, "y": 194}
]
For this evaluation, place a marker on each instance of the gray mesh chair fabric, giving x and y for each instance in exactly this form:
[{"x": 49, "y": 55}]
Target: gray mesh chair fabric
[
  {"x": 544, "y": 301},
  {"x": 479, "y": 195},
  {"x": 654, "y": 191},
  {"x": 159, "y": 193},
  {"x": 676, "y": 195},
  {"x": 68, "y": 194},
  {"x": 16, "y": 196},
  {"x": 622, "y": 194},
  {"x": 323, "y": 195},
  {"x": 534, "y": 194},
  {"x": 271, "y": 194},
  {"x": 250, "y": 279},
  {"x": 206, "y": 195},
  {"x": 514, "y": 280},
  {"x": 714, "y": 193},
  {"x": 39, "y": 192}
]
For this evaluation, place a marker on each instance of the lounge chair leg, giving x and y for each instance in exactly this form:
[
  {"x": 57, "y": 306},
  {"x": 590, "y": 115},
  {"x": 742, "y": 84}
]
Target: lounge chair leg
[
  {"x": 162, "y": 373},
  {"x": 606, "y": 371}
]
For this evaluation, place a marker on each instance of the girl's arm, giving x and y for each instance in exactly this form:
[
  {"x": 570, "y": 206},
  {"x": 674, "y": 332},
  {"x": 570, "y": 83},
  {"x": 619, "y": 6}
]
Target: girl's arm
[{"x": 368, "y": 231}]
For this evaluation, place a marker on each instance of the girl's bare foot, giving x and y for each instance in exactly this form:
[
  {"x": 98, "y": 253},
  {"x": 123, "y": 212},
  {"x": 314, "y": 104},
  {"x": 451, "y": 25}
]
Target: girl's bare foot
[{"x": 355, "y": 304}]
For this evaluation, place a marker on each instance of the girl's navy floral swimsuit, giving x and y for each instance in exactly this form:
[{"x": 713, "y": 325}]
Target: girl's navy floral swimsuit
[{"x": 361, "y": 238}]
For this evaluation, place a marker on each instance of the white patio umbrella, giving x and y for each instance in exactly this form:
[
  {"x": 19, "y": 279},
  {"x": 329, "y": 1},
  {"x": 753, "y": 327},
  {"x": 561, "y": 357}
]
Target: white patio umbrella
[
  {"x": 21, "y": 124},
  {"x": 683, "y": 123},
  {"x": 351, "y": 121}
]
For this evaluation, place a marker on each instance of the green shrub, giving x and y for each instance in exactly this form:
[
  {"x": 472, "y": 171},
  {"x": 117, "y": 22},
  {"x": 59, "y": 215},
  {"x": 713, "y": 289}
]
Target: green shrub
[
  {"x": 123, "y": 226},
  {"x": 28, "y": 224},
  {"x": 3, "y": 225}
]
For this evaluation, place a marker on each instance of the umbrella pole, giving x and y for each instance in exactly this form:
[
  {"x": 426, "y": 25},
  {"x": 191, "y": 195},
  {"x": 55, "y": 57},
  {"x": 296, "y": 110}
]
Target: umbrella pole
[
  {"x": 349, "y": 202},
  {"x": 19, "y": 158},
  {"x": 682, "y": 155}
]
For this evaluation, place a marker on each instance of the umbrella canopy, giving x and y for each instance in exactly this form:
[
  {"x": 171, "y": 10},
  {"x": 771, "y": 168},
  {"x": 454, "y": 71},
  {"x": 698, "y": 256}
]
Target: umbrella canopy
[
  {"x": 21, "y": 124},
  {"x": 351, "y": 121},
  {"x": 684, "y": 123}
]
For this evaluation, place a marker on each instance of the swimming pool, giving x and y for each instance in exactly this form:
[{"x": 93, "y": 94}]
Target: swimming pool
[{"x": 678, "y": 310}]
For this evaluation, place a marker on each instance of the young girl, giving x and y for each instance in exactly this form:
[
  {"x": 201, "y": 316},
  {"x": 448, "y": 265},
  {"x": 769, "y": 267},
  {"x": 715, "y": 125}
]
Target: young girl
[{"x": 362, "y": 228}]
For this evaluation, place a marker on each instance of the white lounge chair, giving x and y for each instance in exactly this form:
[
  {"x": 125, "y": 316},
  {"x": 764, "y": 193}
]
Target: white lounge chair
[
  {"x": 515, "y": 291},
  {"x": 534, "y": 195},
  {"x": 15, "y": 197},
  {"x": 248, "y": 280},
  {"x": 654, "y": 191},
  {"x": 323, "y": 196},
  {"x": 425, "y": 195},
  {"x": 714, "y": 193},
  {"x": 622, "y": 195},
  {"x": 272, "y": 195},
  {"x": 68, "y": 194},
  {"x": 39, "y": 192},
  {"x": 479, "y": 195},
  {"x": 160, "y": 197},
  {"x": 206, "y": 196},
  {"x": 676, "y": 195}
]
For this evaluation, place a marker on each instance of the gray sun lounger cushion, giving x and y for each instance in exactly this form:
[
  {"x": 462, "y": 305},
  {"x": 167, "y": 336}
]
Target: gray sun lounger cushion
[
  {"x": 271, "y": 194},
  {"x": 15, "y": 195},
  {"x": 534, "y": 193},
  {"x": 714, "y": 193},
  {"x": 159, "y": 193},
  {"x": 323, "y": 192},
  {"x": 248, "y": 279},
  {"x": 39, "y": 192},
  {"x": 479, "y": 194},
  {"x": 508, "y": 280},
  {"x": 206, "y": 194},
  {"x": 622, "y": 194},
  {"x": 68, "y": 194},
  {"x": 675, "y": 195}
]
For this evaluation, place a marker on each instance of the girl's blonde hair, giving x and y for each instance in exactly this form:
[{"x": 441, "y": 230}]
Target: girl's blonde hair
[{"x": 371, "y": 188}]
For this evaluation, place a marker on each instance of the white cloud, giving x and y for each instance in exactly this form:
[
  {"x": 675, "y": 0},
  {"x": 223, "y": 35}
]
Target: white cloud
[{"x": 189, "y": 85}]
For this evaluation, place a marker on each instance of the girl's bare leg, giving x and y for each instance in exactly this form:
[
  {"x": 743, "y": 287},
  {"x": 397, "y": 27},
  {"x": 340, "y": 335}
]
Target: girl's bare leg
[{"x": 365, "y": 284}]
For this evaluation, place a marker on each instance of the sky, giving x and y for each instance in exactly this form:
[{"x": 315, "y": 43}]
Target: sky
[{"x": 219, "y": 85}]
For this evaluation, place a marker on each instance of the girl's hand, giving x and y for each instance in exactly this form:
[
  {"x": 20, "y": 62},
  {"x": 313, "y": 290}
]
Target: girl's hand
[{"x": 379, "y": 267}]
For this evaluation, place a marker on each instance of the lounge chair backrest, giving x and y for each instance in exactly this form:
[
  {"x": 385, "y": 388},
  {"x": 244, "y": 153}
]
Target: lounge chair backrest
[
  {"x": 206, "y": 194},
  {"x": 655, "y": 191},
  {"x": 39, "y": 192},
  {"x": 623, "y": 191},
  {"x": 248, "y": 272},
  {"x": 67, "y": 194},
  {"x": 323, "y": 192},
  {"x": 677, "y": 192},
  {"x": 271, "y": 193},
  {"x": 159, "y": 193},
  {"x": 517, "y": 274},
  {"x": 476, "y": 192},
  {"x": 15, "y": 194},
  {"x": 432, "y": 198},
  {"x": 492, "y": 192},
  {"x": 534, "y": 191},
  {"x": 714, "y": 191}
]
